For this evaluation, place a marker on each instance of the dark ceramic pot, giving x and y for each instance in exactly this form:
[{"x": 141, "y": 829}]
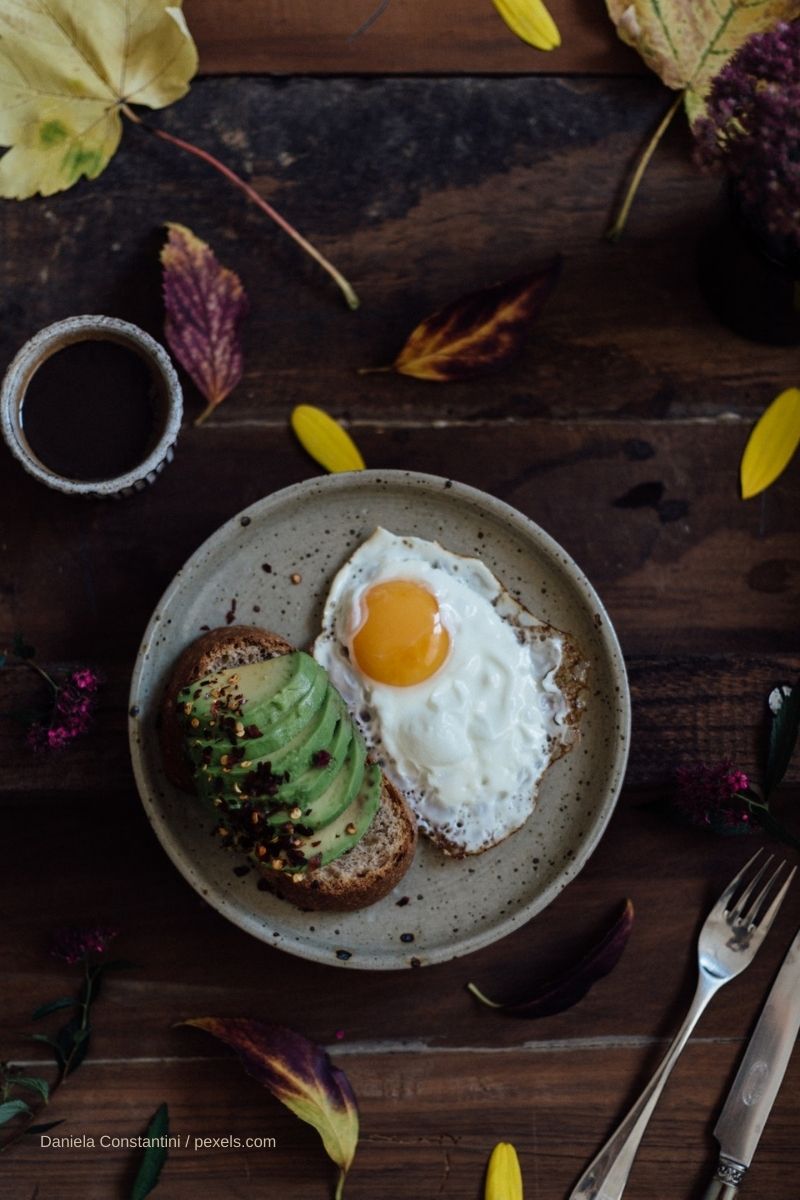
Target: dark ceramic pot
[{"x": 750, "y": 286}]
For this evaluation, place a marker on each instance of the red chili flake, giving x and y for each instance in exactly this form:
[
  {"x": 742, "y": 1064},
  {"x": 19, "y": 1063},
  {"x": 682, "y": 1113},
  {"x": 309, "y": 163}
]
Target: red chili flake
[
  {"x": 321, "y": 758},
  {"x": 252, "y": 731}
]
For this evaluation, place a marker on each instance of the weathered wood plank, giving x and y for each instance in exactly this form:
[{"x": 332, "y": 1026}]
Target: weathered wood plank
[
  {"x": 304, "y": 37},
  {"x": 425, "y": 1132},
  {"x": 419, "y": 190},
  {"x": 88, "y": 863},
  {"x": 695, "y": 572},
  {"x": 686, "y": 709}
]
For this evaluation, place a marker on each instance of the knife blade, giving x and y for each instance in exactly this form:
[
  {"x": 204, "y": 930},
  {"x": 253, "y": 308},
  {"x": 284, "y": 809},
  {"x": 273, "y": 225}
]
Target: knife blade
[{"x": 758, "y": 1079}]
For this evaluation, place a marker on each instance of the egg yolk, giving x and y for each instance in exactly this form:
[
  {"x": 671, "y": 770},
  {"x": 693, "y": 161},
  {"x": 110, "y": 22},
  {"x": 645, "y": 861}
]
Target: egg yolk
[{"x": 401, "y": 640}]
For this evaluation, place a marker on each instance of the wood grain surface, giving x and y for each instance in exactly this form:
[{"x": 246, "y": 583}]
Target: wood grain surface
[
  {"x": 619, "y": 430},
  {"x": 305, "y": 36}
]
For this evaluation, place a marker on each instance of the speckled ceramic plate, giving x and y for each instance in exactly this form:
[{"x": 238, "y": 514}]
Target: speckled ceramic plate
[{"x": 442, "y": 908}]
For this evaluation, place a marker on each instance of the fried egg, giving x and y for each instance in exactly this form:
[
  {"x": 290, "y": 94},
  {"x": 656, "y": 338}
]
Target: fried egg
[{"x": 452, "y": 682}]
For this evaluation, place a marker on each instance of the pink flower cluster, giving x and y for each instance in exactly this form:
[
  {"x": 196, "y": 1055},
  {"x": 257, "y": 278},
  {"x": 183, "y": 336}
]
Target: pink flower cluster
[
  {"x": 711, "y": 797},
  {"x": 72, "y": 712},
  {"x": 74, "y": 945}
]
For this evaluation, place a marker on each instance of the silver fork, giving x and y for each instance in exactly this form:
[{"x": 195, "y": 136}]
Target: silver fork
[{"x": 729, "y": 939}]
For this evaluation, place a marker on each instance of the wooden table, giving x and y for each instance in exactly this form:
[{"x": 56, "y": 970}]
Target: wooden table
[{"x": 459, "y": 156}]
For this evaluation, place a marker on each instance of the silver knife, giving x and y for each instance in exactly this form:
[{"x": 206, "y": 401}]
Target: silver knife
[{"x": 758, "y": 1079}]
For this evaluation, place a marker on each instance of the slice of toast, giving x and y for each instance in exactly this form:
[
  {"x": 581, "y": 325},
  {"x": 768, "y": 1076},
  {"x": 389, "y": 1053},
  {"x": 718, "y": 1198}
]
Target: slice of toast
[{"x": 361, "y": 876}]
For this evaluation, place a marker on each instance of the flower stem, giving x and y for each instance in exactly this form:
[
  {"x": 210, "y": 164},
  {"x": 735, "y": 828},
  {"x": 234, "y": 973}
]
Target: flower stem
[
  {"x": 615, "y": 232},
  {"x": 346, "y": 288},
  {"x": 770, "y": 824},
  {"x": 41, "y": 671},
  {"x": 340, "y": 1185}
]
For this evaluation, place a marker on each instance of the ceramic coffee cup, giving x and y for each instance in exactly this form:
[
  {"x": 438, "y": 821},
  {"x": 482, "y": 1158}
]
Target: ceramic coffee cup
[{"x": 164, "y": 399}]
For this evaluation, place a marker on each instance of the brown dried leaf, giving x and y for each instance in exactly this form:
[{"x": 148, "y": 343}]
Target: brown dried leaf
[{"x": 479, "y": 333}]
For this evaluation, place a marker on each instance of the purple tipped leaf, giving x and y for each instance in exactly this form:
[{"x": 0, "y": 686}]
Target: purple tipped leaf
[
  {"x": 300, "y": 1074},
  {"x": 205, "y": 303},
  {"x": 561, "y": 992}
]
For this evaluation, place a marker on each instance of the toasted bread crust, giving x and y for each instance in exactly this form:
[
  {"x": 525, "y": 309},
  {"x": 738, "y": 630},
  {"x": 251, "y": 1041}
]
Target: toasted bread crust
[
  {"x": 336, "y": 890},
  {"x": 212, "y": 651},
  {"x": 361, "y": 876}
]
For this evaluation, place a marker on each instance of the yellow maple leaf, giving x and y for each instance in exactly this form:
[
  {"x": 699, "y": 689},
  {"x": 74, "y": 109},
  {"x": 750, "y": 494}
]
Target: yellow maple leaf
[
  {"x": 64, "y": 80},
  {"x": 688, "y": 42}
]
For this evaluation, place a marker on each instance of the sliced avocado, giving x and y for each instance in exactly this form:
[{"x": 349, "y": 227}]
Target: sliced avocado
[
  {"x": 273, "y": 732},
  {"x": 295, "y": 758},
  {"x": 335, "y": 798},
  {"x": 348, "y": 829},
  {"x": 269, "y": 690},
  {"x": 304, "y": 787}
]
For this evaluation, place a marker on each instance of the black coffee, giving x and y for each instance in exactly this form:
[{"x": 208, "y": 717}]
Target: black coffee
[{"x": 91, "y": 411}]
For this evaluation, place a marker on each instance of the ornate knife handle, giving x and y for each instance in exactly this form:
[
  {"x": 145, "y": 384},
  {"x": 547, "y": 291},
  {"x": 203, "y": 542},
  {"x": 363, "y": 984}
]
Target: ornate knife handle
[{"x": 725, "y": 1184}]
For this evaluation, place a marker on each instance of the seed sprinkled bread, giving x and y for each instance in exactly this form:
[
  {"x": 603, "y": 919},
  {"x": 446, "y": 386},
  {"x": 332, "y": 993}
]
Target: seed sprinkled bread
[{"x": 359, "y": 877}]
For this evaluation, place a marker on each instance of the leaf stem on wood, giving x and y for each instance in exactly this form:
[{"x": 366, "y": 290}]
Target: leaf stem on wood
[
  {"x": 614, "y": 233},
  {"x": 345, "y": 287}
]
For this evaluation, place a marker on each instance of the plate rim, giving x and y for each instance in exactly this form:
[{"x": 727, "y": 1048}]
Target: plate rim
[{"x": 618, "y": 764}]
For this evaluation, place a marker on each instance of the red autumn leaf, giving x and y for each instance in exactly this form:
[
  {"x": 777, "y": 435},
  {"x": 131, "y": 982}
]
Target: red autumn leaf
[
  {"x": 205, "y": 303},
  {"x": 479, "y": 333},
  {"x": 561, "y": 992}
]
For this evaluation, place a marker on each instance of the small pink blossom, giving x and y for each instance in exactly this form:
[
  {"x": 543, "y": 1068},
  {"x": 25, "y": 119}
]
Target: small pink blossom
[
  {"x": 73, "y": 708},
  {"x": 709, "y": 796},
  {"x": 74, "y": 945}
]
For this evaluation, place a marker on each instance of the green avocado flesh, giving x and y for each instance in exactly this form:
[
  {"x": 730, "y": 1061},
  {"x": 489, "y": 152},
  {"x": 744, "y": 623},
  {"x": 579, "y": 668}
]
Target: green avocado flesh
[
  {"x": 276, "y": 754},
  {"x": 349, "y": 827}
]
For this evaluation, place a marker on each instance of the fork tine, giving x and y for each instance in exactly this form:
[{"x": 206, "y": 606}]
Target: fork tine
[
  {"x": 763, "y": 923},
  {"x": 730, "y": 890},
  {"x": 742, "y": 904}
]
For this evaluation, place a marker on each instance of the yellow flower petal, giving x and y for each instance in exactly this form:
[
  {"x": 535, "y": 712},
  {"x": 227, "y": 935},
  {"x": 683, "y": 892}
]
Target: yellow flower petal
[
  {"x": 503, "y": 1176},
  {"x": 530, "y": 20},
  {"x": 325, "y": 440},
  {"x": 772, "y": 443}
]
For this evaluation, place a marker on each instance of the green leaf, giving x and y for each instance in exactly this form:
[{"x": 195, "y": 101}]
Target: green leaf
[
  {"x": 48, "y": 1041},
  {"x": 52, "y": 1006},
  {"x": 784, "y": 727},
  {"x": 34, "y": 1084},
  {"x": 154, "y": 1157},
  {"x": 11, "y": 1109}
]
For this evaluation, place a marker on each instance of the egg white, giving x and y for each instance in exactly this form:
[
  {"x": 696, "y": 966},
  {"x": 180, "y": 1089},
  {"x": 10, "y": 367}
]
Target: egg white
[{"x": 468, "y": 746}]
